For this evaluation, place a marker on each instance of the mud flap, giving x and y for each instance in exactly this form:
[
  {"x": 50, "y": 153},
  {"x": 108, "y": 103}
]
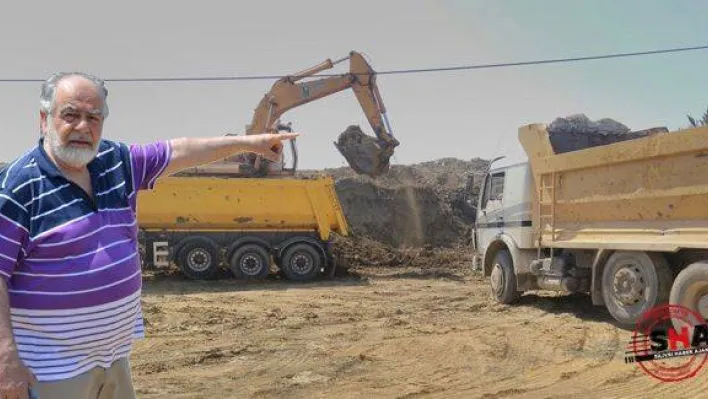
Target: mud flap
[{"x": 363, "y": 153}]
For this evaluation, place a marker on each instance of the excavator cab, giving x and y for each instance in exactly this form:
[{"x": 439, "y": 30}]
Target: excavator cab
[{"x": 365, "y": 154}]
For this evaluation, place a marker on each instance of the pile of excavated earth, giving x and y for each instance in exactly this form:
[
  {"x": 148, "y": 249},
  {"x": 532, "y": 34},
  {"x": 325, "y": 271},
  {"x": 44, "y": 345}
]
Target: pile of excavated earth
[
  {"x": 413, "y": 214},
  {"x": 419, "y": 213},
  {"x": 426, "y": 204}
]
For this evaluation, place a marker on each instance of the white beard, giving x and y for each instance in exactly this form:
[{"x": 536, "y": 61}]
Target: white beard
[{"x": 72, "y": 156}]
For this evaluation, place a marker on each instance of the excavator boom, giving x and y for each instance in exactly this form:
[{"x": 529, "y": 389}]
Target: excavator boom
[{"x": 365, "y": 154}]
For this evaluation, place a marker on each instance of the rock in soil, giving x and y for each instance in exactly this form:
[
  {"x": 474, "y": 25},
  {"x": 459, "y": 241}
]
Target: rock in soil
[
  {"x": 577, "y": 132},
  {"x": 362, "y": 152}
]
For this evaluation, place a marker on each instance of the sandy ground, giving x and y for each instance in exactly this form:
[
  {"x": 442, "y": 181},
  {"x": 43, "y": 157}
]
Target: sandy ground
[{"x": 404, "y": 332}]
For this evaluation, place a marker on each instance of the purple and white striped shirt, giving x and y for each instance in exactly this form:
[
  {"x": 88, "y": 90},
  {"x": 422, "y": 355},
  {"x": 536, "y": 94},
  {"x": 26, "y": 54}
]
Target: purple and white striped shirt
[{"x": 71, "y": 261}]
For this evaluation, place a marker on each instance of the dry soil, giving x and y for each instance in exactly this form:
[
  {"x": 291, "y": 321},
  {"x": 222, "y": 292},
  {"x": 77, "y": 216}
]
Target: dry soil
[{"x": 417, "y": 329}]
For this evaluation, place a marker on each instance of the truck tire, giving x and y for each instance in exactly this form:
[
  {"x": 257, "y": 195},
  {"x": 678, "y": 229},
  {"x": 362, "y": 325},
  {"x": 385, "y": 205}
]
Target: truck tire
[
  {"x": 633, "y": 282},
  {"x": 301, "y": 262},
  {"x": 502, "y": 278},
  {"x": 199, "y": 258},
  {"x": 250, "y": 261},
  {"x": 690, "y": 289}
]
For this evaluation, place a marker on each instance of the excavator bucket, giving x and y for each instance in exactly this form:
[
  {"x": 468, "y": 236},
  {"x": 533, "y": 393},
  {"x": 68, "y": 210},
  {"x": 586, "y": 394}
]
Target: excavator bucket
[{"x": 364, "y": 154}]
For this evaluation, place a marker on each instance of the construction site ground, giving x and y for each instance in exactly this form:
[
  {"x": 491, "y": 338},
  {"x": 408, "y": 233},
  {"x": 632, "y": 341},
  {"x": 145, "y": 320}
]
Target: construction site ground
[
  {"x": 422, "y": 329},
  {"x": 409, "y": 318}
]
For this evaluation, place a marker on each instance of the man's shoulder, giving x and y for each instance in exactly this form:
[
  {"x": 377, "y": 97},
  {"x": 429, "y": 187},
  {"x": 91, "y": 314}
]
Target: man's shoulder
[
  {"x": 111, "y": 151},
  {"x": 19, "y": 171},
  {"x": 117, "y": 148},
  {"x": 110, "y": 146}
]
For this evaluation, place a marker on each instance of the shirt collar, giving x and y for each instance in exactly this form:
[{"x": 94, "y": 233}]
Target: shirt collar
[{"x": 49, "y": 167}]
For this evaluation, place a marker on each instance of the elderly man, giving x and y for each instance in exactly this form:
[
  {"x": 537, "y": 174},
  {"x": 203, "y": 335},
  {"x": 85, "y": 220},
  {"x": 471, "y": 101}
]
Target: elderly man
[{"x": 69, "y": 268}]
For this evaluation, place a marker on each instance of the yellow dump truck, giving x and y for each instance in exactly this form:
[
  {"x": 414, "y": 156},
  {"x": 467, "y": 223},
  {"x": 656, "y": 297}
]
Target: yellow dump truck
[
  {"x": 202, "y": 223},
  {"x": 625, "y": 222}
]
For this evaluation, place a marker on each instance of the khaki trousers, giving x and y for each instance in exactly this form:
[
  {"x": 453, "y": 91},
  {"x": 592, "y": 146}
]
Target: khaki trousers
[{"x": 98, "y": 383}]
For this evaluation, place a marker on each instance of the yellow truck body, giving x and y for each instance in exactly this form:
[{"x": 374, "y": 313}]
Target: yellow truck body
[
  {"x": 223, "y": 204},
  {"x": 626, "y": 222},
  {"x": 646, "y": 194},
  {"x": 224, "y": 215}
]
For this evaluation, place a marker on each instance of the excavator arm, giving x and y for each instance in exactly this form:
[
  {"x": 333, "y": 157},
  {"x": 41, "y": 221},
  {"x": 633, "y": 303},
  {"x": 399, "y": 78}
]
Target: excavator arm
[{"x": 366, "y": 155}]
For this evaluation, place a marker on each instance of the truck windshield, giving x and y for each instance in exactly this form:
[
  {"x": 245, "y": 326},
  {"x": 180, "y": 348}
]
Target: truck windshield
[{"x": 493, "y": 190}]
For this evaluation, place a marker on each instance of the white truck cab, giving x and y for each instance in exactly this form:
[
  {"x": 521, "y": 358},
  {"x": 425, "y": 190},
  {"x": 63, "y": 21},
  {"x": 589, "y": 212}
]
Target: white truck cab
[{"x": 504, "y": 212}]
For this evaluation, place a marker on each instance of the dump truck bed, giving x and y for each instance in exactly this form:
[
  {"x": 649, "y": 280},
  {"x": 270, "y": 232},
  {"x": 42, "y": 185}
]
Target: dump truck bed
[
  {"x": 233, "y": 204},
  {"x": 648, "y": 193}
]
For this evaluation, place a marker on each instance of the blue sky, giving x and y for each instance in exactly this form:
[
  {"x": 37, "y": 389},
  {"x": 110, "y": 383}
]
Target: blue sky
[{"x": 462, "y": 114}]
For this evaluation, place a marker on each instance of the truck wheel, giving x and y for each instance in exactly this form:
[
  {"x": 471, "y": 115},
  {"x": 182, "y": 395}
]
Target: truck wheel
[
  {"x": 250, "y": 261},
  {"x": 301, "y": 262},
  {"x": 633, "y": 283},
  {"x": 690, "y": 289},
  {"x": 199, "y": 259},
  {"x": 503, "y": 279}
]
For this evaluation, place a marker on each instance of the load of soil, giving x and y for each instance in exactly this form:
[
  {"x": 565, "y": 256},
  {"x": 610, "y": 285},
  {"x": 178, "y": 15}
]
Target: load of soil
[
  {"x": 363, "y": 153},
  {"x": 577, "y": 132}
]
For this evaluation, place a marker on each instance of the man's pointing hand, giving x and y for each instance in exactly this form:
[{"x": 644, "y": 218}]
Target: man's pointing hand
[{"x": 269, "y": 145}]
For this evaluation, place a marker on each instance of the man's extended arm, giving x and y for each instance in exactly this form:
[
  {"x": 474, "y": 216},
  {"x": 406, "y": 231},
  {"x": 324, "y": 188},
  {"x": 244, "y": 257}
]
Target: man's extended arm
[{"x": 191, "y": 152}]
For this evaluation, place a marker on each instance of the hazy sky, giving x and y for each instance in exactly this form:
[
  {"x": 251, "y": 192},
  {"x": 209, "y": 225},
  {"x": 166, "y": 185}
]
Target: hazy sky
[{"x": 461, "y": 114}]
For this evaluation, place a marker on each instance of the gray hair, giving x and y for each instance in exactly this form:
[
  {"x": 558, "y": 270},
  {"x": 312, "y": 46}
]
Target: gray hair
[{"x": 49, "y": 88}]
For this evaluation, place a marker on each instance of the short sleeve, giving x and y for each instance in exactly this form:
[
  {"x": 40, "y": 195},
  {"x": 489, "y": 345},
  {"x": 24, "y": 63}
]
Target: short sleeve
[
  {"x": 13, "y": 233},
  {"x": 148, "y": 162}
]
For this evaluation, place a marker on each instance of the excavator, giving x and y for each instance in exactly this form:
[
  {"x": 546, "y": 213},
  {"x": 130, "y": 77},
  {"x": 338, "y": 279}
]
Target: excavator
[{"x": 365, "y": 154}]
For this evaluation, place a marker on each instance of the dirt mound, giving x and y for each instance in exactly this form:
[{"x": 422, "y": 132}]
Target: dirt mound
[
  {"x": 577, "y": 132},
  {"x": 353, "y": 252},
  {"x": 429, "y": 203}
]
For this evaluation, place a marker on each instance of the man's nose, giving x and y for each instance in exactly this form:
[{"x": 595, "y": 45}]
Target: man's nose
[{"x": 83, "y": 125}]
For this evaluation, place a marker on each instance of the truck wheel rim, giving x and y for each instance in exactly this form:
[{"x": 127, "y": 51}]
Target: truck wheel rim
[
  {"x": 301, "y": 264},
  {"x": 696, "y": 297},
  {"x": 629, "y": 285},
  {"x": 199, "y": 260},
  {"x": 251, "y": 265},
  {"x": 703, "y": 305},
  {"x": 497, "y": 280}
]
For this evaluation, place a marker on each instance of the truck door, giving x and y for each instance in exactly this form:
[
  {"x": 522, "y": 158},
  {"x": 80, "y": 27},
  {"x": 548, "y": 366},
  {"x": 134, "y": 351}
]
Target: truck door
[{"x": 490, "y": 222}]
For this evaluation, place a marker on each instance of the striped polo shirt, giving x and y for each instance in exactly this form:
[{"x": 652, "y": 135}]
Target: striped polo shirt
[{"x": 70, "y": 261}]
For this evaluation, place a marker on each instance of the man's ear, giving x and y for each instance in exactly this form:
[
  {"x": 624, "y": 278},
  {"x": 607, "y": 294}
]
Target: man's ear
[{"x": 43, "y": 122}]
